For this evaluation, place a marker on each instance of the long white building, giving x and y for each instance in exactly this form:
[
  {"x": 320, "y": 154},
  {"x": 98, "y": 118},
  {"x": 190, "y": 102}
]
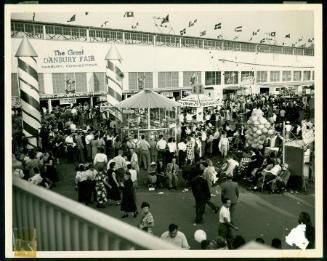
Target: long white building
[{"x": 72, "y": 57}]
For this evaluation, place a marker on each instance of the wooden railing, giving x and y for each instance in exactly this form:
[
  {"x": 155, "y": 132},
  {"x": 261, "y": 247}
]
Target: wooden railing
[{"x": 62, "y": 224}]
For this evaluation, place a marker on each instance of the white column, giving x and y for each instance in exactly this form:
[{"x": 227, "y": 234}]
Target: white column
[
  {"x": 155, "y": 80},
  {"x": 180, "y": 79}
]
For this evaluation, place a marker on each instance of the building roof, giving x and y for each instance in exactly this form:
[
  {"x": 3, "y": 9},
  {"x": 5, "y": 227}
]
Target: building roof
[{"x": 147, "y": 99}]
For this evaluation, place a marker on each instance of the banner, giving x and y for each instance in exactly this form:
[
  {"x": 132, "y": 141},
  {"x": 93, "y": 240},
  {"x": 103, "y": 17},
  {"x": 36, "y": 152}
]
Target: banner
[{"x": 67, "y": 101}]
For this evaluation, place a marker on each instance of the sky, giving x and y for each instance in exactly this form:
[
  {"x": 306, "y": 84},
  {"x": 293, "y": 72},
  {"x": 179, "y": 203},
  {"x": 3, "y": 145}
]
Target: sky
[{"x": 298, "y": 23}]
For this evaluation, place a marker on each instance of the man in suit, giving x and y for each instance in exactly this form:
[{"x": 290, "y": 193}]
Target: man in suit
[
  {"x": 229, "y": 189},
  {"x": 201, "y": 193},
  {"x": 172, "y": 174}
]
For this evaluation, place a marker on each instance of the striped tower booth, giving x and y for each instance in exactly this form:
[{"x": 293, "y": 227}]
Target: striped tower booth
[
  {"x": 29, "y": 92},
  {"x": 114, "y": 77}
]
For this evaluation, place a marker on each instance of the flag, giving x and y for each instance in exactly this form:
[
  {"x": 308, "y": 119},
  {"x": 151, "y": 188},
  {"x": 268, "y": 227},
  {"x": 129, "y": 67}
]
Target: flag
[
  {"x": 165, "y": 20},
  {"x": 217, "y": 26},
  {"x": 203, "y": 33},
  {"x": 273, "y": 34},
  {"x": 182, "y": 32},
  {"x": 238, "y": 28},
  {"x": 220, "y": 36},
  {"x": 254, "y": 33},
  {"x": 129, "y": 14},
  {"x": 288, "y": 36},
  {"x": 235, "y": 38},
  {"x": 86, "y": 13},
  {"x": 191, "y": 23},
  {"x": 263, "y": 40},
  {"x": 72, "y": 19},
  {"x": 258, "y": 30},
  {"x": 33, "y": 16},
  {"x": 250, "y": 39}
]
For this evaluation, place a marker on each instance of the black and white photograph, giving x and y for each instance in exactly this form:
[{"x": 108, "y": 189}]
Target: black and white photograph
[{"x": 163, "y": 130}]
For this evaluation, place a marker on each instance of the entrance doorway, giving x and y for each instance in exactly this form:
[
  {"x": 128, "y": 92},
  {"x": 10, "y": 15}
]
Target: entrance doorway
[{"x": 264, "y": 90}]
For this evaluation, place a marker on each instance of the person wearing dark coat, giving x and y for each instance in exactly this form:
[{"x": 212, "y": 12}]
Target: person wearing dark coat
[
  {"x": 113, "y": 190},
  {"x": 128, "y": 202},
  {"x": 229, "y": 189},
  {"x": 201, "y": 193}
]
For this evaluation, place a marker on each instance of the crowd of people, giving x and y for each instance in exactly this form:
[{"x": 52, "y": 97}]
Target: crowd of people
[{"x": 109, "y": 167}]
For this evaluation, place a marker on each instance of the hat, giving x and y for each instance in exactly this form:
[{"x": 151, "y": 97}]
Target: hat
[
  {"x": 153, "y": 163},
  {"x": 287, "y": 122}
]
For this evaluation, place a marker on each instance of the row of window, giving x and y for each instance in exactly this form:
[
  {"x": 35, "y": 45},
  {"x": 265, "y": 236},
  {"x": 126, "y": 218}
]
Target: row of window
[
  {"x": 77, "y": 82},
  {"x": 65, "y": 32}
]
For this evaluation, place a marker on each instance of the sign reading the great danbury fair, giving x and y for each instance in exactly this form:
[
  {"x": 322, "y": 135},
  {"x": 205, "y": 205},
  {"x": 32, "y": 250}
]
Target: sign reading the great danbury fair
[{"x": 68, "y": 58}]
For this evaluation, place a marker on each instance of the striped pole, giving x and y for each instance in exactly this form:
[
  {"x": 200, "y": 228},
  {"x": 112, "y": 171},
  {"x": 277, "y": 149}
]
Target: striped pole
[
  {"x": 29, "y": 92},
  {"x": 114, "y": 76}
]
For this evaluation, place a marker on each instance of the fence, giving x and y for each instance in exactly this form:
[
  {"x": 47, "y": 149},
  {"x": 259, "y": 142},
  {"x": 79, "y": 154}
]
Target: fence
[{"x": 65, "y": 225}]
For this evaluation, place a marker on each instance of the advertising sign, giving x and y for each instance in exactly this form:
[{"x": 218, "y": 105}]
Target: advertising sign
[{"x": 67, "y": 101}]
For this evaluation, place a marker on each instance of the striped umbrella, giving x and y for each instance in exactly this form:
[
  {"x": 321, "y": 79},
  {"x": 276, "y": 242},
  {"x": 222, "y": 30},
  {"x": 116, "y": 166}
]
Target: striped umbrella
[{"x": 29, "y": 92}]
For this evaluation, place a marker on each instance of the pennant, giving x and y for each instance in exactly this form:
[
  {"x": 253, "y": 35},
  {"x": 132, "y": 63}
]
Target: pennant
[
  {"x": 254, "y": 33},
  {"x": 273, "y": 34},
  {"x": 217, "y": 26},
  {"x": 238, "y": 28},
  {"x": 165, "y": 20},
  {"x": 129, "y": 14},
  {"x": 182, "y": 32},
  {"x": 220, "y": 36},
  {"x": 251, "y": 39},
  {"x": 288, "y": 36},
  {"x": 263, "y": 40},
  {"x": 235, "y": 38},
  {"x": 258, "y": 30},
  {"x": 203, "y": 33},
  {"x": 72, "y": 19}
]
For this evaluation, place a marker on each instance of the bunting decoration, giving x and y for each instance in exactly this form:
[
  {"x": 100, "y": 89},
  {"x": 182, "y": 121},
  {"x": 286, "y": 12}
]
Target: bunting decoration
[
  {"x": 72, "y": 19},
  {"x": 105, "y": 23},
  {"x": 238, "y": 28},
  {"x": 220, "y": 36},
  {"x": 182, "y": 32},
  {"x": 217, "y": 26},
  {"x": 203, "y": 33},
  {"x": 288, "y": 36},
  {"x": 255, "y": 32},
  {"x": 192, "y": 23},
  {"x": 135, "y": 26},
  {"x": 29, "y": 92}
]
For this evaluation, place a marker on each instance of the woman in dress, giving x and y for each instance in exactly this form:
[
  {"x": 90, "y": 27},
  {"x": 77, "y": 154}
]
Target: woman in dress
[
  {"x": 223, "y": 145},
  {"x": 128, "y": 204},
  {"x": 94, "y": 145},
  {"x": 113, "y": 190},
  {"x": 189, "y": 149},
  {"x": 100, "y": 159},
  {"x": 100, "y": 187}
]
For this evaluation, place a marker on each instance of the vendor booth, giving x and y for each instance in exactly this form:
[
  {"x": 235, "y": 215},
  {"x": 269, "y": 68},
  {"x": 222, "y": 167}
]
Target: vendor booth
[
  {"x": 197, "y": 103},
  {"x": 149, "y": 113}
]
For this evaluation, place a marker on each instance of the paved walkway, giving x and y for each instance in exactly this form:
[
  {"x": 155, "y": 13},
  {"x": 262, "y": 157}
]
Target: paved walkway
[{"x": 257, "y": 214}]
